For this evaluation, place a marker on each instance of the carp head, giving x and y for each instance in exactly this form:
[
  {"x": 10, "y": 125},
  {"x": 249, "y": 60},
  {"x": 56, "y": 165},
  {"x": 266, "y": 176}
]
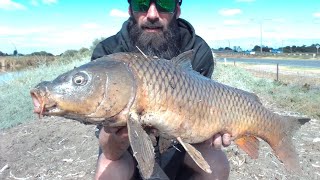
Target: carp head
[{"x": 92, "y": 93}]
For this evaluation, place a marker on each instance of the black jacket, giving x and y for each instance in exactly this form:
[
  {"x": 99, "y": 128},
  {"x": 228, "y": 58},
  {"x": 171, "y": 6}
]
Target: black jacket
[{"x": 201, "y": 62}]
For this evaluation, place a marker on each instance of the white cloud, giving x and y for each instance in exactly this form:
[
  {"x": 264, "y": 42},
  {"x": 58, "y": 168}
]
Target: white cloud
[
  {"x": 316, "y": 14},
  {"x": 35, "y": 2},
  {"x": 10, "y": 5},
  {"x": 18, "y": 31},
  {"x": 246, "y": 34},
  {"x": 230, "y": 12},
  {"x": 232, "y": 22},
  {"x": 49, "y": 1},
  {"x": 90, "y": 26},
  {"x": 248, "y": 1},
  {"x": 118, "y": 13},
  {"x": 36, "y": 38},
  {"x": 279, "y": 20}
]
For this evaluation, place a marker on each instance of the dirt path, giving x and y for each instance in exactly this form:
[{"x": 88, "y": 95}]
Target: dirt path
[
  {"x": 288, "y": 75},
  {"x": 55, "y": 148},
  {"x": 49, "y": 148}
]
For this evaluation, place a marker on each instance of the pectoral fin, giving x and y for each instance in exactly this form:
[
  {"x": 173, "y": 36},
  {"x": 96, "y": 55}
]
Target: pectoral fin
[
  {"x": 249, "y": 144},
  {"x": 142, "y": 147},
  {"x": 196, "y": 156}
]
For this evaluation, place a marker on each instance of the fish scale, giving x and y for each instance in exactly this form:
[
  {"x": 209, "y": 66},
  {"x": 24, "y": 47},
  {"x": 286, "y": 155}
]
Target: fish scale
[
  {"x": 195, "y": 116},
  {"x": 189, "y": 94}
]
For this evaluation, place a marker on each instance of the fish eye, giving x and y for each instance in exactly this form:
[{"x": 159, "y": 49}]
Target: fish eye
[{"x": 80, "y": 79}]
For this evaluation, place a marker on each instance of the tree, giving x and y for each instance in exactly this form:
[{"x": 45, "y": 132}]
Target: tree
[
  {"x": 96, "y": 42},
  {"x": 70, "y": 53},
  {"x": 15, "y": 52},
  {"x": 2, "y": 54},
  {"x": 286, "y": 49},
  {"x": 41, "y": 53},
  {"x": 84, "y": 52},
  {"x": 256, "y": 48},
  {"x": 266, "y": 49}
]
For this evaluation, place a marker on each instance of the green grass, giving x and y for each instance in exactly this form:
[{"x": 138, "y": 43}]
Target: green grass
[
  {"x": 16, "y": 104},
  {"x": 290, "y": 97}
]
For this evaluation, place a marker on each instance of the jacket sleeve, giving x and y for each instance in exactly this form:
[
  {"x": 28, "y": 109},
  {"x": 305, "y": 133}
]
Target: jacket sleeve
[
  {"x": 108, "y": 46},
  {"x": 98, "y": 52},
  {"x": 203, "y": 61},
  {"x": 112, "y": 44}
]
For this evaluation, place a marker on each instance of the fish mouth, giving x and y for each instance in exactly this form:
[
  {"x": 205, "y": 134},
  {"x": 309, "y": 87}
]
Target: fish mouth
[{"x": 43, "y": 106}]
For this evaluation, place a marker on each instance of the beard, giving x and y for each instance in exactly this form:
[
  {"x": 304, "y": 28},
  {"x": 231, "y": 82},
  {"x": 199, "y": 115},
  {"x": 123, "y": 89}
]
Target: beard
[{"x": 163, "y": 44}]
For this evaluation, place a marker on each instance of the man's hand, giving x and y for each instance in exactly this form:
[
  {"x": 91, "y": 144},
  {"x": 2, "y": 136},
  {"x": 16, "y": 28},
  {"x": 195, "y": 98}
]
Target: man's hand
[
  {"x": 218, "y": 141},
  {"x": 114, "y": 142}
]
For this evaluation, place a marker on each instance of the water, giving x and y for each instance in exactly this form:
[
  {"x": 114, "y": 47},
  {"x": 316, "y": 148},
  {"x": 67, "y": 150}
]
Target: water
[{"x": 294, "y": 63}]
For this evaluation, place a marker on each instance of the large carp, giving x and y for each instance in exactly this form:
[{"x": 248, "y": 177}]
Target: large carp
[{"x": 133, "y": 90}]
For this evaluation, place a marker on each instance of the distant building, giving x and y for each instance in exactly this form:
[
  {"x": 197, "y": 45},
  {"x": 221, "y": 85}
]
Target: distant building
[
  {"x": 237, "y": 49},
  {"x": 277, "y": 51},
  {"x": 249, "y": 52}
]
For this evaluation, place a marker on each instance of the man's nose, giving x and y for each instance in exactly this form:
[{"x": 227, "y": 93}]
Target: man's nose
[{"x": 153, "y": 14}]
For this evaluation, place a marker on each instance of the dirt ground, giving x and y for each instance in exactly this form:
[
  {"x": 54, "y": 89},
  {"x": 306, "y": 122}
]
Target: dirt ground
[{"x": 56, "y": 148}]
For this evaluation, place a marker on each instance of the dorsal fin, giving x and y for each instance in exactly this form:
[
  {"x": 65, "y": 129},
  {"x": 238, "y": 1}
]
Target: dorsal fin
[{"x": 183, "y": 60}]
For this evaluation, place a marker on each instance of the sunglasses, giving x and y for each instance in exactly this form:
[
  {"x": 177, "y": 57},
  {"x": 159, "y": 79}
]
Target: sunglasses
[{"x": 163, "y": 6}]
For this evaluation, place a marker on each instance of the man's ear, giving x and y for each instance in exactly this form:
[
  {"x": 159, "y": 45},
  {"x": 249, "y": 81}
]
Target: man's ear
[
  {"x": 178, "y": 11},
  {"x": 129, "y": 11}
]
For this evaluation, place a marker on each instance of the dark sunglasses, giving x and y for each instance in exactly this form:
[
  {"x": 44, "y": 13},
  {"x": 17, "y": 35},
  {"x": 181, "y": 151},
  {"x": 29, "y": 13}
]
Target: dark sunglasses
[{"x": 164, "y": 6}]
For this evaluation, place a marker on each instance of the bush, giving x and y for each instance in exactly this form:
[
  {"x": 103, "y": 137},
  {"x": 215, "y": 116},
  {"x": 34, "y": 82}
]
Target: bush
[
  {"x": 41, "y": 53},
  {"x": 69, "y": 55}
]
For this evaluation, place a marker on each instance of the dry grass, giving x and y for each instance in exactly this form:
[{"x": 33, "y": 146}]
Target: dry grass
[
  {"x": 297, "y": 90},
  {"x": 22, "y": 62}
]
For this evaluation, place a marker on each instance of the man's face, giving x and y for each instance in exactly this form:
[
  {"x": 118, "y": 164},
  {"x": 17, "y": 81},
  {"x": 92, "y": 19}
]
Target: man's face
[
  {"x": 154, "y": 32},
  {"x": 159, "y": 19}
]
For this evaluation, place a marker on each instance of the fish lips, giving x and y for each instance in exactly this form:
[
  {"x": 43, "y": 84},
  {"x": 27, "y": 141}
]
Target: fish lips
[{"x": 43, "y": 105}]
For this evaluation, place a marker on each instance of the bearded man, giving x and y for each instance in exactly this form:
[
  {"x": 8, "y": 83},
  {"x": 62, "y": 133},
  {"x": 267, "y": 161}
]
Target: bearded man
[{"x": 155, "y": 27}]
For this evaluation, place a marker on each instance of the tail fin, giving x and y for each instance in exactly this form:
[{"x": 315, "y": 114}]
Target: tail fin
[{"x": 284, "y": 149}]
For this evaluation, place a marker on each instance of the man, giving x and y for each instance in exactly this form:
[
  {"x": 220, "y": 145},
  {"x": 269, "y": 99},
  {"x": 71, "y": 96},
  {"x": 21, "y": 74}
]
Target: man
[{"x": 155, "y": 27}]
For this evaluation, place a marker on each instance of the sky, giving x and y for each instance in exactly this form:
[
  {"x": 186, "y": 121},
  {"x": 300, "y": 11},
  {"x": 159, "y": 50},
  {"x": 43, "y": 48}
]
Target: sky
[{"x": 55, "y": 26}]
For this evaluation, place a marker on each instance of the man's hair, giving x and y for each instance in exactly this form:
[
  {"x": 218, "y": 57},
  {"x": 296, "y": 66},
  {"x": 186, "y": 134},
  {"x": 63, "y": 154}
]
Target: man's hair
[{"x": 180, "y": 2}]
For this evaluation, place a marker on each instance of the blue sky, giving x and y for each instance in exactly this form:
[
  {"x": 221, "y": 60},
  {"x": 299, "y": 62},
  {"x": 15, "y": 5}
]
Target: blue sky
[{"x": 58, "y": 25}]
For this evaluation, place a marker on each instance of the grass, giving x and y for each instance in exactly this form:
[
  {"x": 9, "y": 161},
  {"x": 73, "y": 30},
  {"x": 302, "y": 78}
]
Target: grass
[
  {"x": 16, "y": 104},
  {"x": 291, "y": 56},
  {"x": 30, "y": 61},
  {"x": 23, "y": 62},
  {"x": 289, "y": 96}
]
